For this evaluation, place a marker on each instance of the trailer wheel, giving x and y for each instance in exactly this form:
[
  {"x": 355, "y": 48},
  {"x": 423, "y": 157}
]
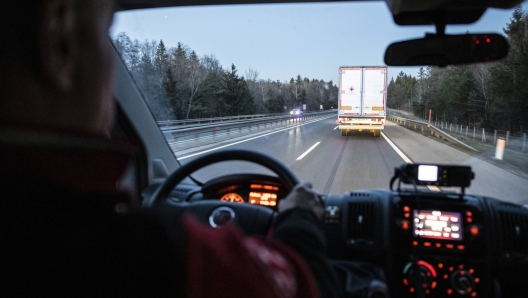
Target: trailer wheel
[
  {"x": 377, "y": 133},
  {"x": 343, "y": 132}
]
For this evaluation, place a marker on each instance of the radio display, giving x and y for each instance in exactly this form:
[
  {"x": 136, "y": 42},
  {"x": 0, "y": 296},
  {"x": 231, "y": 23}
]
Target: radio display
[{"x": 438, "y": 225}]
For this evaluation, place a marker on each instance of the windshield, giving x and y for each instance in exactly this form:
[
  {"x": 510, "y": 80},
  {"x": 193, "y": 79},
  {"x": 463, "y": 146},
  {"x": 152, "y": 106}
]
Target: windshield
[{"x": 267, "y": 78}]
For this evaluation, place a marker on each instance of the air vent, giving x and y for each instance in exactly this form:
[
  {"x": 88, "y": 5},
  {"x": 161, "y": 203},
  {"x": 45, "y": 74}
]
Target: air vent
[
  {"x": 360, "y": 195},
  {"x": 182, "y": 189},
  {"x": 510, "y": 205},
  {"x": 179, "y": 194},
  {"x": 514, "y": 227},
  {"x": 361, "y": 222}
]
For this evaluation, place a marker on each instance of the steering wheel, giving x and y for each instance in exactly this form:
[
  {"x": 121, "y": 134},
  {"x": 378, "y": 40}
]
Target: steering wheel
[{"x": 253, "y": 219}]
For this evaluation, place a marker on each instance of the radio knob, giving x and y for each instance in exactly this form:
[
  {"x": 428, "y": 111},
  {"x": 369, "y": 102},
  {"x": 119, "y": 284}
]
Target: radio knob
[
  {"x": 462, "y": 282},
  {"x": 421, "y": 274}
]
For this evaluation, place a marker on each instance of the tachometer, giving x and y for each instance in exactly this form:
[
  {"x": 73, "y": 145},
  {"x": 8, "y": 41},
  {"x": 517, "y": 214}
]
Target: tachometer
[{"x": 232, "y": 197}]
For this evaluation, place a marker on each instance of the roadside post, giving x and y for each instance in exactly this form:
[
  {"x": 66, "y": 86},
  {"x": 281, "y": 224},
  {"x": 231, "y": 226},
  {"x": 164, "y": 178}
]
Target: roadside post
[
  {"x": 430, "y": 112},
  {"x": 495, "y": 137},
  {"x": 499, "y": 151}
]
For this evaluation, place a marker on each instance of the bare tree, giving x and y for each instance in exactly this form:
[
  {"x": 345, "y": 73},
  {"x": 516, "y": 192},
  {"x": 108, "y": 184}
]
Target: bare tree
[
  {"x": 482, "y": 76},
  {"x": 195, "y": 79}
]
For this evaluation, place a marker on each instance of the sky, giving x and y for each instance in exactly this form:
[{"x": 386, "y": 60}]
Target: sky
[{"x": 281, "y": 41}]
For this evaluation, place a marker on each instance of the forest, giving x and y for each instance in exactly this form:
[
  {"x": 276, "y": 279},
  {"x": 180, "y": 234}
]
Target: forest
[
  {"x": 177, "y": 83},
  {"x": 487, "y": 95}
]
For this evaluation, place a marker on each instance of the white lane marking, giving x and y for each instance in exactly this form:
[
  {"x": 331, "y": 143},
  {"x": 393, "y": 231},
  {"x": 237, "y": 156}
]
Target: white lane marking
[
  {"x": 400, "y": 153},
  {"x": 307, "y": 151},
  {"x": 246, "y": 140},
  {"x": 336, "y": 127},
  {"x": 406, "y": 159},
  {"x": 433, "y": 188}
]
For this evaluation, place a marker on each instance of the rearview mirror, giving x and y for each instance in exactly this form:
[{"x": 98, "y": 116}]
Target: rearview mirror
[{"x": 447, "y": 49}]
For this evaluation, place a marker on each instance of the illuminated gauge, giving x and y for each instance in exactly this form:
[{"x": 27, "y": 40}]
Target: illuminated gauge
[{"x": 232, "y": 197}]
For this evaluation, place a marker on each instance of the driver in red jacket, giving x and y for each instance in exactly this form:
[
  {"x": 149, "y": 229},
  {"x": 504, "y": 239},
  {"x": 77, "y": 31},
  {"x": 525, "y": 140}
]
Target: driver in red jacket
[{"x": 63, "y": 226}]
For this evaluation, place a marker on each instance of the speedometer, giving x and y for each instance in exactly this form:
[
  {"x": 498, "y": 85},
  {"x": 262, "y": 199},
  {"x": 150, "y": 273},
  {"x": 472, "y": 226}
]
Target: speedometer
[{"x": 232, "y": 197}]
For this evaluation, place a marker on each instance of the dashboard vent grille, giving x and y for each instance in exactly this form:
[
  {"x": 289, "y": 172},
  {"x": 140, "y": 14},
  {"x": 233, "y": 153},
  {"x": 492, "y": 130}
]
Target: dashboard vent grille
[
  {"x": 182, "y": 189},
  {"x": 360, "y": 195},
  {"x": 362, "y": 221},
  {"x": 514, "y": 228},
  {"x": 510, "y": 205}
]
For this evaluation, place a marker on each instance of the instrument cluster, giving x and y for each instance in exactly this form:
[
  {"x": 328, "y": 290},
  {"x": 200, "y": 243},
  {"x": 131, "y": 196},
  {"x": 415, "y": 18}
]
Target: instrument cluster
[
  {"x": 253, "y": 189},
  {"x": 259, "y": 194}
]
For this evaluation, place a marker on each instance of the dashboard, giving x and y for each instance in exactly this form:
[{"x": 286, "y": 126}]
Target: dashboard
[{"x": 425, "y": 244}]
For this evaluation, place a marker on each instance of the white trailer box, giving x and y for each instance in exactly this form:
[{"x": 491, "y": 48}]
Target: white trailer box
[{"x": 362, "y": 98}]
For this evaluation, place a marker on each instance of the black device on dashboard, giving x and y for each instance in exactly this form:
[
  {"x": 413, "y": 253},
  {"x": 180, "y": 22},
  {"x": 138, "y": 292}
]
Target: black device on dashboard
[
  {"x": 434, "y": 175},
  {"x": 438, "y": 175}
]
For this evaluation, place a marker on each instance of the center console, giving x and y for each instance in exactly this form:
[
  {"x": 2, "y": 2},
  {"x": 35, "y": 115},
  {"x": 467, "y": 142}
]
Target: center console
[{"x": 439, "y": 247}]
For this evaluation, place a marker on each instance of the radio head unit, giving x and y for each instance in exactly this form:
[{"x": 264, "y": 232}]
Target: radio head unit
[{"x": 438, "y": 225}]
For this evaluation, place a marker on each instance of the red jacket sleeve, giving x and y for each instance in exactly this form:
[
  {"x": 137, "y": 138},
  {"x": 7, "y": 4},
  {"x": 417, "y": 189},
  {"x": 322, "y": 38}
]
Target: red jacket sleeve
[{"x": 224, "y": 263}]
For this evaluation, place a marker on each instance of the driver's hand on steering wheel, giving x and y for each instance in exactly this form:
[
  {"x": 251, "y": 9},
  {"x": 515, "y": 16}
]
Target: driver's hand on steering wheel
[{"x": 303, "y": 196}]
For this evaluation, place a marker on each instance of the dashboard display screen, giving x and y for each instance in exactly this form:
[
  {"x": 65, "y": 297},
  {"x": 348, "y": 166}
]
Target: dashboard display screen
[
  {"x": 428, "y": 173},
  {"x": 263, "y": 198},
  {"x": 438, "y": 224},
  {"x": 262, "y": 194}
]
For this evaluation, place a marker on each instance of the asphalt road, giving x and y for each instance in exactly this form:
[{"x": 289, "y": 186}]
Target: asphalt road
[{"x": 336, "y": 164}]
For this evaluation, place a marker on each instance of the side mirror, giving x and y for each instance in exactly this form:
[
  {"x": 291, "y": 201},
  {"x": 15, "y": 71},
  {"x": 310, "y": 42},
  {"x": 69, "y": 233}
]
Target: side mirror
[{"x": 447, "y": 49}]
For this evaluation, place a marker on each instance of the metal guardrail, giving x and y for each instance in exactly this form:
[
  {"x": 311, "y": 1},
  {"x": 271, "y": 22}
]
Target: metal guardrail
[
  {"x": 426, "y": 127},
  {"x": 177, "y": 131},
  {"x": 215, "y": 119}
]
